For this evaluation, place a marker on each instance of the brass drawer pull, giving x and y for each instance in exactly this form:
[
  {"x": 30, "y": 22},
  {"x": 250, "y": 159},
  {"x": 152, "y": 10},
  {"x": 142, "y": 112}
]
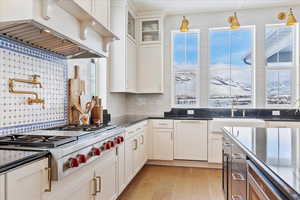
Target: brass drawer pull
[
  {"x": 238, "y": 177},
  {"x": 142, "y": 139},
  {"x": 49, "y": 189},
  {"x": 99, "y": 184},
  {"x": 238, "y": 156},
  {"x": 163, "y": 124},
  {"x": 135, "y": 144},
  {"x": 95, "y": 186},
  {"x": 236, "y": 197}
]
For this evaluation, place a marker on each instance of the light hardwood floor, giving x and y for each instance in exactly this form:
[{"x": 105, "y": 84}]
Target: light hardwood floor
[{"x": 175, "y": 183}]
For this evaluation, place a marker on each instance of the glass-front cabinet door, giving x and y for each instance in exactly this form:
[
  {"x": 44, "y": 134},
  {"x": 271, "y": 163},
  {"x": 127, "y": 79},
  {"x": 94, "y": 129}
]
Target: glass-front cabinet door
[
  {"x": 131, "y": 26},
  {"x": 150, "y": 31}
]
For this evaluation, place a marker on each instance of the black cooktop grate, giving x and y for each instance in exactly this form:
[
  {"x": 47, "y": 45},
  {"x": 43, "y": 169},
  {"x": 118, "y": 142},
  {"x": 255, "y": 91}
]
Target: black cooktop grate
[{"x": 45, "y": 141}]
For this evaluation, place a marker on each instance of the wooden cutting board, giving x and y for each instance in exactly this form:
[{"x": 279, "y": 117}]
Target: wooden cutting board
[{"x": 76, "y": 89}]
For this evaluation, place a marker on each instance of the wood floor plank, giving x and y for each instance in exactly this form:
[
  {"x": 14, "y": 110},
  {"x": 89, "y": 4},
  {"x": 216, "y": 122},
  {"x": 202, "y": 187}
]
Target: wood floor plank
[{"x": 175, "y": 183}]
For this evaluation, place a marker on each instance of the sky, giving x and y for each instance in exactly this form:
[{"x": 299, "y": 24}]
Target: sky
[{"x": 186, "y": 45}]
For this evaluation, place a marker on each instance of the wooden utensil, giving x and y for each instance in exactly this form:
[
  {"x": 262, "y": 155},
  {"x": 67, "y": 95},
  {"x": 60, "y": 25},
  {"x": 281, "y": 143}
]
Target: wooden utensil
[{"x": 76, "y": 89}]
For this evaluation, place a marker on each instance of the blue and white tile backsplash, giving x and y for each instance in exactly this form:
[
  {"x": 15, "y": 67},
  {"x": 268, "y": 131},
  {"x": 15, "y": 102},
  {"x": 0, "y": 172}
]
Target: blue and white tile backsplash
[{"x": 21, "y": 61}]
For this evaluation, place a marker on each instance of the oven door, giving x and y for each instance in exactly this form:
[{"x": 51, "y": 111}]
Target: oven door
[{"x": 259, "y": 187}]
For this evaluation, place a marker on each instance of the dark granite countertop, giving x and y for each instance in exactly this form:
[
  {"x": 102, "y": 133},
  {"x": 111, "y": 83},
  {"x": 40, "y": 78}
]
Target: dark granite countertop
[
  {"x": 276, "y": 150},
  {"x": 13, "y": 158},
  {"x": 128, "y": 120}
]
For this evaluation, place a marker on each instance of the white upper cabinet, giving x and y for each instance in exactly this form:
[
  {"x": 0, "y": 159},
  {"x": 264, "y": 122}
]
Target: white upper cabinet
[
  {"x": 150, "y": 69},
  {"x": 190, "y": 140},
  {"x": 150, "y": 30},
  {"x": 150, "y": 76},
  {"x": 101, "y": 11},
  {"x": 124, "y": 52},
  {"x": 131, "y": 66},
  {"x": 137, "y": 59}
]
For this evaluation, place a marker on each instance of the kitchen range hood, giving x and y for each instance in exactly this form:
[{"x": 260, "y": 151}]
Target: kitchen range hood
[
  {"x": 60, "y": 26},
  {"x": 36, "y": 35}
]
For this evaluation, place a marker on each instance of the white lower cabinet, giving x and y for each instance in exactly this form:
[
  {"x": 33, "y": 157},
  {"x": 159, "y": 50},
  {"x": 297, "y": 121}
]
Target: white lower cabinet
[
  {"x": 121, "y": 168},
  {"x": 28, "y": 182},
  {"x": 2, "y": 187},
  {"x": 77, "y": 186},
  {"x": 135, "y": 151},
  {"x": 215, "y": 147},
  {"x": 162, "y": 144},
  {"x": 190, "y": 140},
  {"x": 105, "y": 179},
  {"x": 129, "y": 162}
]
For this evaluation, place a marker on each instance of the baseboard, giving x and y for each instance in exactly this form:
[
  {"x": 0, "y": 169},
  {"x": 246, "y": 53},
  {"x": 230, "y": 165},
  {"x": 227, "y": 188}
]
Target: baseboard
[{"x": 185, "y": 163}]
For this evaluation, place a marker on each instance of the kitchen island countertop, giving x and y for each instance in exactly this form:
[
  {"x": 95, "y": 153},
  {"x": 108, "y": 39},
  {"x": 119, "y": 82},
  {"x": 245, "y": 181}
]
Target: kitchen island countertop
[{"x": 276, "y": 151}]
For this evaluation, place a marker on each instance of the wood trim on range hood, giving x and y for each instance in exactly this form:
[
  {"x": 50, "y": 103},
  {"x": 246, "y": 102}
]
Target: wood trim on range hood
[{"x": 32, "y": 33}]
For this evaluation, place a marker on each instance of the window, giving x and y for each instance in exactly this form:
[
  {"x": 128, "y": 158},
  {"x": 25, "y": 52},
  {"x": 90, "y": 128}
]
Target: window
[
  {"x": 280, "y": 48},
  {"x": 231, "y": 67},
  {"x": 279, "y": 146},
  {"x": 185, "y": 61},
  {"x": 93, "y": 79}
]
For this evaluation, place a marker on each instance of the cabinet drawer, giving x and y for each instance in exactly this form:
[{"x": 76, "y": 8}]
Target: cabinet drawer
[
  {"x": 135, "y": 129},
  {"x": 162, "y": 124}
]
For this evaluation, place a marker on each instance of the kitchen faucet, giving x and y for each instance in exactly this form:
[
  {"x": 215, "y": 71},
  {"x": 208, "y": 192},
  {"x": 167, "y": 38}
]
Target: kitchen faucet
[
  {"x": 297, "y": 104},
  {"x": 232, "y": 109}
]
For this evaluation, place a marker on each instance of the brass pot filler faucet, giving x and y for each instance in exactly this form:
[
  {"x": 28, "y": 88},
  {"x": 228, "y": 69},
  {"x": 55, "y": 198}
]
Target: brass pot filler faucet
[{"x": 33, "y": 81}]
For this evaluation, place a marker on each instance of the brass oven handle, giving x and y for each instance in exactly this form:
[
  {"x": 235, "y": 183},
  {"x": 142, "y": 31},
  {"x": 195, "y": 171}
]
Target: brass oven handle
[
  {"x": 236, "y": 197},
  {"x": 238, "y": 177},
  {"x": 49, "y": 174},
  {"x": 95, "y": 186},
  {"x": 99, "y": 184}
]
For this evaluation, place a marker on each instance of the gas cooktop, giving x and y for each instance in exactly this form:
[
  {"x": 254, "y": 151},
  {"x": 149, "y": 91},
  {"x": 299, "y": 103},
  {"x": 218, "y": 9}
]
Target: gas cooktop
[
  {"x": 45, "y": 141},
  {"x": 82, "y": 128}
]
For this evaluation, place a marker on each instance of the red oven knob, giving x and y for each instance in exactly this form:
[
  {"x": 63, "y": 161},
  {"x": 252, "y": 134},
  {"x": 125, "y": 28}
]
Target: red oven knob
[
  {"x": 117, "y": 140},
  {"x": 73, "y": 162},
  {"x": 121, "y": 138},
  {"x": 112, "y": 143},
  {"x": 107, "y": 145},
  {"x": 96, "y": 151},
  {"x": 82, "y": 158}
]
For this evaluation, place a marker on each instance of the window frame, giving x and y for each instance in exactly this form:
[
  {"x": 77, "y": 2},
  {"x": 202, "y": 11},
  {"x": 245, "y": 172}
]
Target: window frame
[
  {"x": 292, "y": 68},
  {"x": 252, "y": 67},
  {"x": 189, "y": 68}
]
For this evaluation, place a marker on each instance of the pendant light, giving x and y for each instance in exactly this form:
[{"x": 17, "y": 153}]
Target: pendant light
[
  {"x": 291, "y": 19},
  {"x": 184, "y": 27},
  {"x": 234, "y": 22}
]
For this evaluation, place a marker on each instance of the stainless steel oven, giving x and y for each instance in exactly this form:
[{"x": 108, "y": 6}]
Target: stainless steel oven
[{"x": 259, "y": 186}]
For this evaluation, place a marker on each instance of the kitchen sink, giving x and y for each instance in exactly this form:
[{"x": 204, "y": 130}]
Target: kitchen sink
[
  {"x": 250, "y": 120},
  {"x": 218, "y": 123}
]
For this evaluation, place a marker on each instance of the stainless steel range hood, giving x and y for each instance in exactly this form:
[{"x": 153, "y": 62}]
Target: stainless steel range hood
[{"x": 37, "y": 35}]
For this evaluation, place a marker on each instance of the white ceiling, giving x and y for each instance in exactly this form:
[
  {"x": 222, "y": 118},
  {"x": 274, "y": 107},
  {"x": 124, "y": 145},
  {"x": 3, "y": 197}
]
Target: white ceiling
[{"x": 183, "y": 6}]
